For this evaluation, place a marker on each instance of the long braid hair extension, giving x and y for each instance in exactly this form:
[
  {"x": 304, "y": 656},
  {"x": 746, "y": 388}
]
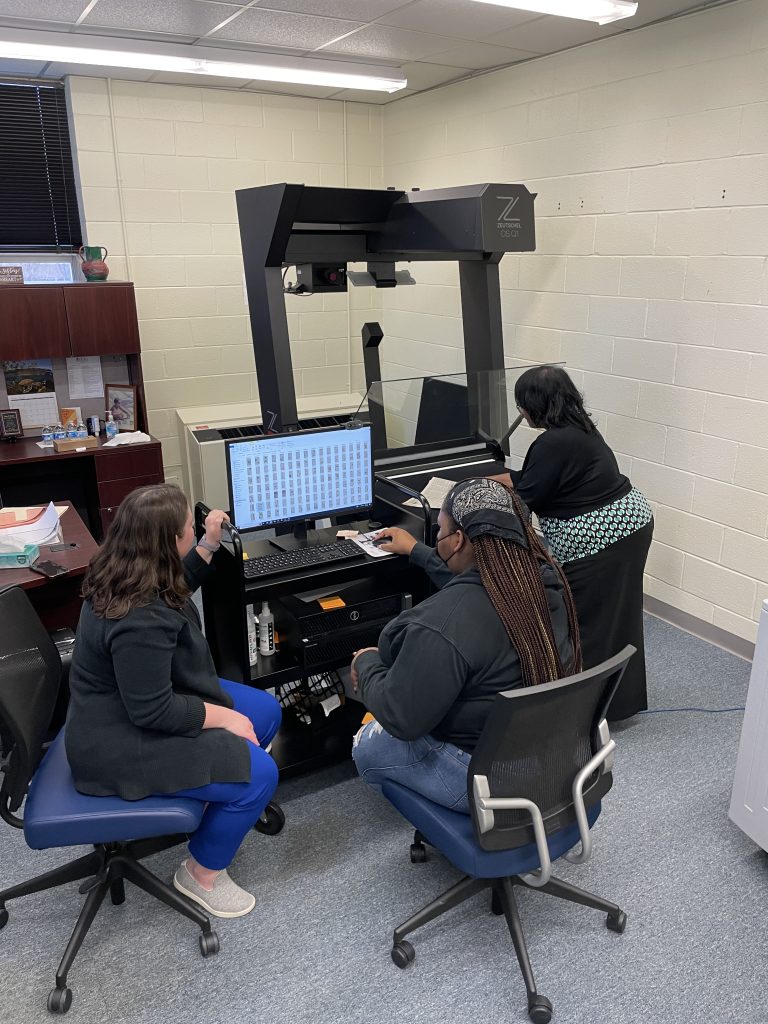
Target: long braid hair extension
[{"x": 510, "y": 572}]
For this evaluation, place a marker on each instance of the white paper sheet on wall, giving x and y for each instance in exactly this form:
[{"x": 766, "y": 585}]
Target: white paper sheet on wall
[
  {"x": 85, "y": 377},
  {"x": 36, "y": 410}
]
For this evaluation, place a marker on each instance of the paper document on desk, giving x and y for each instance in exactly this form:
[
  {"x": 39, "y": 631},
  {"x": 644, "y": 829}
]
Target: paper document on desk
[
  {"x": 434, "y": 493},
  {"x": 129, "y": 437},
  {"x": 365, "y": 542},
  {"x": 17, "y": 528}
]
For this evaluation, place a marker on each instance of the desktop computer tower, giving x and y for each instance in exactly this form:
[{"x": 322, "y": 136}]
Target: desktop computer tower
[{"x": 324, "y": 636}]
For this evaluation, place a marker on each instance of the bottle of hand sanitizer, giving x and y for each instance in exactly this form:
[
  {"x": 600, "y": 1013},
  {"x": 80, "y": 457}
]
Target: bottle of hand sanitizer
[
  {"x": 110, "y": 427},
  {"x": 266, "y": 630}
]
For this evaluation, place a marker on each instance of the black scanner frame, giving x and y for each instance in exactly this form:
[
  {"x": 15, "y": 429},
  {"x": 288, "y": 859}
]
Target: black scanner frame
[{"x": 475, "y": 225}]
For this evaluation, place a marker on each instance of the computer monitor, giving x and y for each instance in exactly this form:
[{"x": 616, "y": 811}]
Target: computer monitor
[{"x": 299, "y": 477}]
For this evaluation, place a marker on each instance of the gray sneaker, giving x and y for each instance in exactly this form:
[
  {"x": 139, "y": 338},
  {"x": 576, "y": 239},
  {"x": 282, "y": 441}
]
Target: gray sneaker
[{"x": 225, "y": 899}]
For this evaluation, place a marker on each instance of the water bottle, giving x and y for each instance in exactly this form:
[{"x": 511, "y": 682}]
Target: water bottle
[
  {"x": 81, "y": 431},
  {"x": 59, "y": 433},
  {"x": 71, "y": 431},
  {"x": 110, "y": 428},
  {"x": 48, "y": 433},
  {"x": 253, "y": 636}
]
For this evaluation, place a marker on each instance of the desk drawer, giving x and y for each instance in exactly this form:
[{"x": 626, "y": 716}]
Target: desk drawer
[
  {"x": 112, "y": 492},
  {"x": 143, "y": 461}
]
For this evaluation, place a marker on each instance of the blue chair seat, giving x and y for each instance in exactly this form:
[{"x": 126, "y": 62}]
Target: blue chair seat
[
  {"x": 453, "y": 835},
  {"x": 55, "y": 814}
]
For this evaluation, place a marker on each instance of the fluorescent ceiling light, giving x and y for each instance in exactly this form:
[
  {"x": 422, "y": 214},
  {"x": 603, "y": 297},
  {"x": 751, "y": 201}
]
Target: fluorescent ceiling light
[
  {"x": 601, "y": 11},
  {"x": 96, "y": 51}
]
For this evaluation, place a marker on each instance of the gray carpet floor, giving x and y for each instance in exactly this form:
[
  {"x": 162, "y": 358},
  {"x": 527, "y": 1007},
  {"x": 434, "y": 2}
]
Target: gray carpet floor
[{"x": 332, "y": 886}]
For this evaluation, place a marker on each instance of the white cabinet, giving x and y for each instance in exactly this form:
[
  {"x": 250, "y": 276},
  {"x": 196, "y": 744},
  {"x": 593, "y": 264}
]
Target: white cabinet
[{"x": 749, "y": 798}]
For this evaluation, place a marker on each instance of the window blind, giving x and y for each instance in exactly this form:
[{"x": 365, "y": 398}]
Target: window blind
[{"x": 38, "y": 201}]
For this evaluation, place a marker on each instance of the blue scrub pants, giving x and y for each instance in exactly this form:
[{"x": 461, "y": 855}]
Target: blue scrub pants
[{"x": 235, "y": 807}]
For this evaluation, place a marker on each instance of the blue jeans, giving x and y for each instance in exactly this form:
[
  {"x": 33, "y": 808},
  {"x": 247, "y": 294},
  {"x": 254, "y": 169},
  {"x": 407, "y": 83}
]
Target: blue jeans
[
  {"x": 235, "y": 807},
  {"x": 431, "y": 767}
]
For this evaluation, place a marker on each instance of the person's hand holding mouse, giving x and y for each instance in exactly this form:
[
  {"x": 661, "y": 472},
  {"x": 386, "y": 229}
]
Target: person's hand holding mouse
[{"x": 393, "y": 539}]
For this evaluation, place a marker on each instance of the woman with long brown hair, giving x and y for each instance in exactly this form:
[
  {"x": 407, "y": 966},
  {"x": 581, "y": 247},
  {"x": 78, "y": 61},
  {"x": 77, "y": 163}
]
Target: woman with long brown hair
[
  {"x": 148, "y": 714},
  {"x": 503, "y": 618}
]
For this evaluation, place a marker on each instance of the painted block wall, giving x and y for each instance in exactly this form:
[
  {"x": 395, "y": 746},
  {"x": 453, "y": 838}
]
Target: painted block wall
[
  {"x": 158, "y": 166},
  {"x": 649, "y": 153}
]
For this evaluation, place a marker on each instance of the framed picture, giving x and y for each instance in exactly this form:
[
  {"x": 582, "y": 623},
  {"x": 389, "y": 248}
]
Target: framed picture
[
  {"x": 10, "y": 424},
  {"x": 120, "y": 400}
]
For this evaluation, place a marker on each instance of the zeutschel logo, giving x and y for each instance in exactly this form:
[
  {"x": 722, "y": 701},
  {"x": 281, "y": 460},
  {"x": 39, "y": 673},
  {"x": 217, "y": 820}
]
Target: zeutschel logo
[{"x": 511, "y": 201}]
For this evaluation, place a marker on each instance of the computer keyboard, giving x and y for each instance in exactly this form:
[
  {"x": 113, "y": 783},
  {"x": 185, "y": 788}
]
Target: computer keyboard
[{"x": 301, "y": 558}]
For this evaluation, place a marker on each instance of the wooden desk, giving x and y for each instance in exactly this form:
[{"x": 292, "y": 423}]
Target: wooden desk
[
  {"x": 94, "y": 481},
  {"x": 57, "y": 601}
]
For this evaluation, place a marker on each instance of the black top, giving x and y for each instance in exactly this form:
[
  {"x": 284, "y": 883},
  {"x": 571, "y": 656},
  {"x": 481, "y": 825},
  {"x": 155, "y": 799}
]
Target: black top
[
  {"x": 568, "y": 472},
  {"x": 135, "y": 719},
  {"x": 440, "y": 665}
]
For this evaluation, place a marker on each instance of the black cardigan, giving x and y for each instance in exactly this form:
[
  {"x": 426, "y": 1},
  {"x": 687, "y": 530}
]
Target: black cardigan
[
  {"x": 440, "y": 665},
  {"x": 138, "y": 684},
  {"x": 568, "y": 472}
]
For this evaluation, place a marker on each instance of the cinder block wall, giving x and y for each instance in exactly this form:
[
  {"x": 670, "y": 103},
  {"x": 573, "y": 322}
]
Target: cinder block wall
[
  {"x": 158, "y": 167},
  {"x": 649, "y": 153}
]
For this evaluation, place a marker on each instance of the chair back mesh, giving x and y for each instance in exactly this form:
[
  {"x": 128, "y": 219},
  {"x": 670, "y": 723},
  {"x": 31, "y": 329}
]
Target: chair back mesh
[
  {"x": 537, "y": 739},
  {"x": 30, "y": 676}
]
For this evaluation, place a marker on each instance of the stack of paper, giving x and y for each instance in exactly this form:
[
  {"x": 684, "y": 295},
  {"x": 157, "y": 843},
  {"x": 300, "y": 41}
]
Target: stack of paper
[{"x": 18, "y": 528}]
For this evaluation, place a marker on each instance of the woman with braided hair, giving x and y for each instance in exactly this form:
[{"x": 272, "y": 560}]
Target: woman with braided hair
[{"x": 502, "y": 618}]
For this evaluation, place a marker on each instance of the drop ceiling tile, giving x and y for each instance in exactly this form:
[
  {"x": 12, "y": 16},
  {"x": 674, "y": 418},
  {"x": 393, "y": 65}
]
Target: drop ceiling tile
[
  {"x": 652, "y": 10},
  {"x": 354, "y": 10},
  {"x": 478, "y": 56},
  {"x": 549, "y": 34},
  {"x": 460, "y": 18},
  {"x": 282, "y": 28},
  {"x": 66, "y": 11},
  {"x": 175, "y": 17},
  {"x": 397, "y": 44},
  {"x": 422, "y": 75}
]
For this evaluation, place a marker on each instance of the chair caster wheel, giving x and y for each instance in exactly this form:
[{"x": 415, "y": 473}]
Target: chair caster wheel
[
  {"x": 540, "y": 1010},
  {"x": 3, "y": 917},
  {"x": 209, "y": 943},
  {"x": 617, "y": 923},
  {"x": 59, "y": 1000},
  {"x": 272, "y": 821},
  {"x": 418, "y": 853},
  {"x": 403, "y": 954}
]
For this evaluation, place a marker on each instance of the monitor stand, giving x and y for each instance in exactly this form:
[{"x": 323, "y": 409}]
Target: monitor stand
[{"x": 301, "y": 537}]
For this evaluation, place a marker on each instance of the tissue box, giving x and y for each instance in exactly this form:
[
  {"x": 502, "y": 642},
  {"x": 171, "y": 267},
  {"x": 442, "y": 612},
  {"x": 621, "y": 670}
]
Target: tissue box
[{"x": 19, "y": 559}]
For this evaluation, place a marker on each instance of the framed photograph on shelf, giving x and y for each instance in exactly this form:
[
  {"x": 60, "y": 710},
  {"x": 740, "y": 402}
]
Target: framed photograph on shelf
[
  {"x": 10, "y": 425},
  {"x": 120, "y": 400}
]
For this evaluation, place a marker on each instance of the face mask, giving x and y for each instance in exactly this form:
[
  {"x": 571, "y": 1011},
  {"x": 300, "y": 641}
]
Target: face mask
[{"x": 445, "y": 561}]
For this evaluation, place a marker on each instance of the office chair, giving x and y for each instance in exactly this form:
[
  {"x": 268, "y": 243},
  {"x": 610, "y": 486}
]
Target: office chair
[
  {"x": 121, "y": 832},
  {"x": 535, "y": 783}
]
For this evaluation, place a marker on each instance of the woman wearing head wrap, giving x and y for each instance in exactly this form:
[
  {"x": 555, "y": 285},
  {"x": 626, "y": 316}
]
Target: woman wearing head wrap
[
  {"x": 503, "y": 618},
  {"x": 597, "y": 524}
]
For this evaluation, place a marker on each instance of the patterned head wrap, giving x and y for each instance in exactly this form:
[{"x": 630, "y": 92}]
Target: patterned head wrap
[{"x": 483, "y": 506}]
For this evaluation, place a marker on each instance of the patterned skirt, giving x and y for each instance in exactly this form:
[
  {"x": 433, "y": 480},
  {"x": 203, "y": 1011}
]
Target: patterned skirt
[{"x": 585, "y": 535}]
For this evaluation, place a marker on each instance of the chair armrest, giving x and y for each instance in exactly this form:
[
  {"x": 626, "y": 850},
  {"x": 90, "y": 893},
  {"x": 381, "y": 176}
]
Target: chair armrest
[
  {"x": 486, "y": 805},
  {"x": 602, "y": 757}
]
